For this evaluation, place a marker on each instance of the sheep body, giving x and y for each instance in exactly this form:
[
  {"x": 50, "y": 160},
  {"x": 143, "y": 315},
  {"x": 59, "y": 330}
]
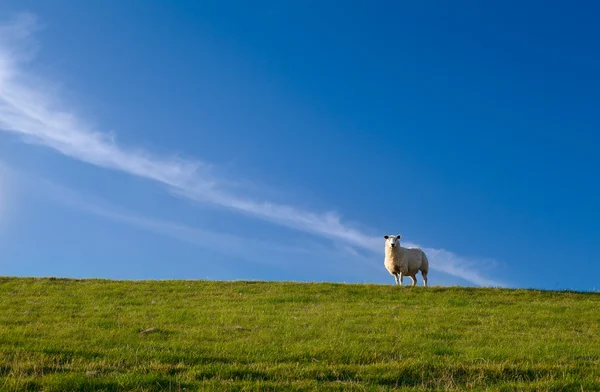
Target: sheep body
[{"x": 401, "y": 261}]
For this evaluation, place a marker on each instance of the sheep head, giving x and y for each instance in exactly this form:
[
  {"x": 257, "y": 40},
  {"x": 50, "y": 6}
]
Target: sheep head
[{"x": 392, "y": 240}]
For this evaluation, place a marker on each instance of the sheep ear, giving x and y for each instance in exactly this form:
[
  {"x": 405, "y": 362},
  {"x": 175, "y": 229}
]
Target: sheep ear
[
  {"x": 386, "y": 236},
  {"x": 399, "y": 236}
]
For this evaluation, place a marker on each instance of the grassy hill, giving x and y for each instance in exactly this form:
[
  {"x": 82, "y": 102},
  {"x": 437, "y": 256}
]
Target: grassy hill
[{"x": 58, "y": 335}]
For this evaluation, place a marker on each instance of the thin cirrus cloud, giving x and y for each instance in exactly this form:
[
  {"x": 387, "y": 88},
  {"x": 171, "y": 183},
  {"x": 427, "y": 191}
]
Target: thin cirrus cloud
[
  {"x": 28, "y": 111},
  {"x": 345, "y": 263}
]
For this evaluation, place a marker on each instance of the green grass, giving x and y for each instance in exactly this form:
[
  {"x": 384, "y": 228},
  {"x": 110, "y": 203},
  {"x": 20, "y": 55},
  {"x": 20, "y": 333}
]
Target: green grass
[{"x": 58, "y": 335}]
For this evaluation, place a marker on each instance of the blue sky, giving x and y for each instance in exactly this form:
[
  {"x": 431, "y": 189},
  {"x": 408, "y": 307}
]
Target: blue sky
[{"x": 282, "y": 140}]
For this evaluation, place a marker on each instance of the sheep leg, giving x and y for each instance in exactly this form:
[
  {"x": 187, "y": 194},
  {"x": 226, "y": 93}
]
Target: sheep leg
[
  {"x": 414, "y": 280},
  {"x": 396, "y": 276},
  {"x": 401, "y": 278},
  {"x": 424, "y": 278}
]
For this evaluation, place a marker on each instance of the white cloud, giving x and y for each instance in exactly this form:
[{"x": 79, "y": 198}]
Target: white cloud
[
  {"x": 286, "y": 257},
  {"x": 245, "y": 248},
  {"x": 28, "y": 111}
]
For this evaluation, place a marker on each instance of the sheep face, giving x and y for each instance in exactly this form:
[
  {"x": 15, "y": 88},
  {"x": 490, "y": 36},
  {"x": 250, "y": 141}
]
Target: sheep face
[{"x": 392, "y": 241}]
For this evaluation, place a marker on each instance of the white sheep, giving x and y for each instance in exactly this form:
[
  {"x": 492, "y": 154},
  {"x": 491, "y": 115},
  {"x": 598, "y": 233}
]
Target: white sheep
[{"x": 400, "y": 261}]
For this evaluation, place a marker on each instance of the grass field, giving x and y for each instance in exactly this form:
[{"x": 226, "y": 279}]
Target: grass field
[{"x": 58, "y": 335}]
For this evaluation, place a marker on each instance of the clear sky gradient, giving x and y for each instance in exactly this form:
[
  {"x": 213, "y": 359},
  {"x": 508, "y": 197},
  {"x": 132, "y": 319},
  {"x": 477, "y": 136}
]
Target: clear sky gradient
[{"x": 281, "y": 140}]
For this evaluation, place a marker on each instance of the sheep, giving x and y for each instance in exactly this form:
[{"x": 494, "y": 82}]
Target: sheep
[{"x": 400, "y": 261}]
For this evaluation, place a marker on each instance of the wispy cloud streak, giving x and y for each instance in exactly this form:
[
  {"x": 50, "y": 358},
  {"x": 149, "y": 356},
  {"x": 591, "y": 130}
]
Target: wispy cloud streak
[
  {"x": 26, "y": 110},
  {"x": 234, "y": 245},
  {"x": 241, "y": 247},
  {"x": 29, "y": 112}
]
